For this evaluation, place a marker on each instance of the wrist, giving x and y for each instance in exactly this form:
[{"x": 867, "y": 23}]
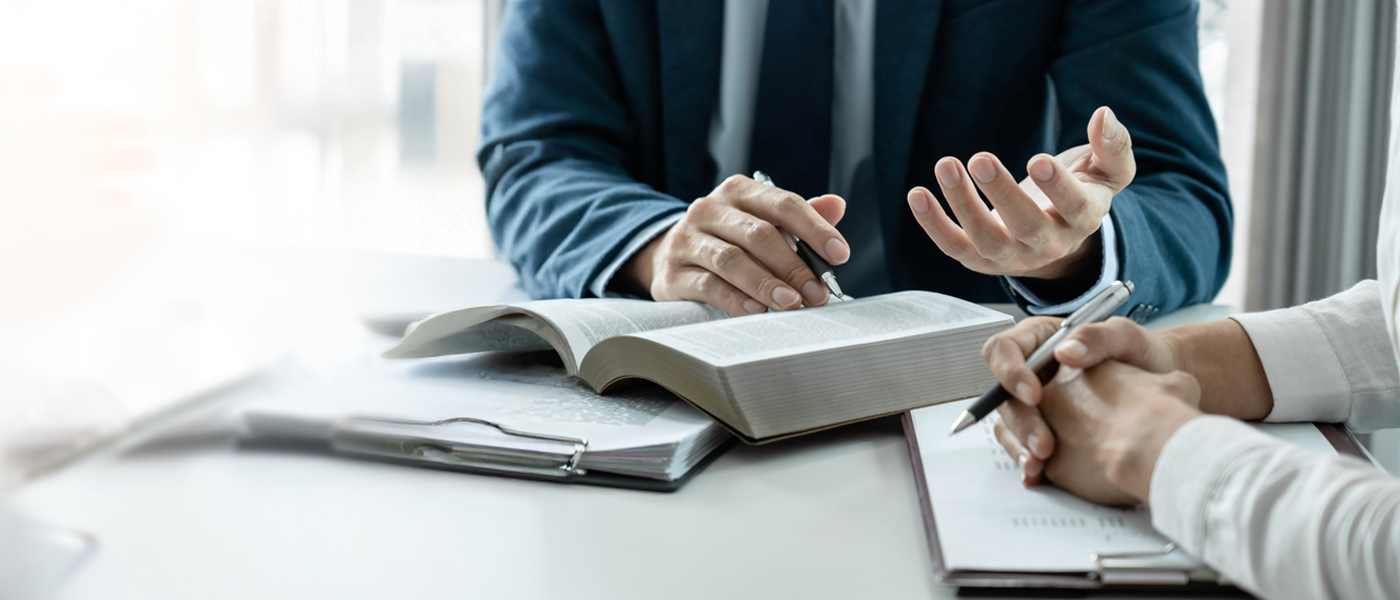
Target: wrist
[
  {"x": 1071, "y": 276},
  {"x": 637, "y": 273},
  {"x": 1132, "y": 463}
]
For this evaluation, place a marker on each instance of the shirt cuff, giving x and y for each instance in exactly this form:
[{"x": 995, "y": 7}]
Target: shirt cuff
[
  {"x": 1303, "y": 370},
  {"x": 1189, "y": 472},
  {"x": 1038, "y": 306},
  {"x": 599, "y": 285}
]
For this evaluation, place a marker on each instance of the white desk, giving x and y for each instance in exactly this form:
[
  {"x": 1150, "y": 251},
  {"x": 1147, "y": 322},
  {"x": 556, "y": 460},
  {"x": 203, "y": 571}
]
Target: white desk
[{"x": 832, "y": 515}]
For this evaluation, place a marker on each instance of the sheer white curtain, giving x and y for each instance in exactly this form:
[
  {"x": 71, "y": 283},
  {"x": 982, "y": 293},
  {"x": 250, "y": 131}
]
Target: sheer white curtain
[{"x": 1320, "y": 148}]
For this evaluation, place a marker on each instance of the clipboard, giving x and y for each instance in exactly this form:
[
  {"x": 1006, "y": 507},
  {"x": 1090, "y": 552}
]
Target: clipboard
[
  {"x": 1139, "y": 572},
  {"x": 408, "y": 442}
]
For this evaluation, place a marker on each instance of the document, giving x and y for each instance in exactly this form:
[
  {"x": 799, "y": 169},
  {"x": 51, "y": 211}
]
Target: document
[{"x": 988, "y": 521}]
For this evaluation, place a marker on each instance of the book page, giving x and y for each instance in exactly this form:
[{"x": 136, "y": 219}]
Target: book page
[
  {"x": 583, "y": 323},
  {"x": 569, "y": 326},
  {"x": 988, "y": 521},
  {"x": 837, "y": 324}
]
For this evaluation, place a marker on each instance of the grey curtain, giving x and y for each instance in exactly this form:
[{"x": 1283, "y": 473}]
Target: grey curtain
[{"x": 1324, "y": 104}]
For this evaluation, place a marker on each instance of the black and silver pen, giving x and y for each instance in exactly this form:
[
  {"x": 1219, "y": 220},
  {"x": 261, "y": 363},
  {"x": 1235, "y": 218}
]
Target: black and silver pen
[
  {"x": 814, "y": 261},
  {"x": 1042, "y": 362}
]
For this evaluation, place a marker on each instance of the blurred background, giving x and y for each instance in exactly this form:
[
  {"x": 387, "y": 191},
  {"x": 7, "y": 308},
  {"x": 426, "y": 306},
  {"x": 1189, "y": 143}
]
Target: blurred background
[{"x": 352, "y": 125}]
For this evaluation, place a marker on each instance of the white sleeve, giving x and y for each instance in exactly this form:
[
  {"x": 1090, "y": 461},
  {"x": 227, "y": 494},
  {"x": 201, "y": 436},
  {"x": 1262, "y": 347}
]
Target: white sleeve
[
  {"x": 1330, "y": 361},
  {"x": 1275, "y": 519}
]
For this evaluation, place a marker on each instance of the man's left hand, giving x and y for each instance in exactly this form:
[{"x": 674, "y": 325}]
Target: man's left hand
[
  {"x": 1044, "y": 226},
  {"x": 1111, "y": 423}
]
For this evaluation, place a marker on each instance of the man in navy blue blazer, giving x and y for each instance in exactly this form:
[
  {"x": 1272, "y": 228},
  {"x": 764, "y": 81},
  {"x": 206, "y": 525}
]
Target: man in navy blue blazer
[{"x": 616, "y": 135}]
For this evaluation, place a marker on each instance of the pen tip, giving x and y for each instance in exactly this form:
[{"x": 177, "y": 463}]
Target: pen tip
[{"x": 964, "y": 421}]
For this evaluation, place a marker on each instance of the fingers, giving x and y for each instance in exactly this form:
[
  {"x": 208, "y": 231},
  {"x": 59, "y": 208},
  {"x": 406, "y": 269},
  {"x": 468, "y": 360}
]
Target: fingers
[
  {"x": 992, "y": 241},
  {"x": 1027, "y": 425},
  {"x": 1031, "y": 467},
  {"x": 1005, "y": 354},
  {"x": 1079, "y": 208},
  {"x": 739, "y": 270},
  {"x": 831, "y": 207},
  {"x": 1117, "y": 339},
  {"x": 768, "y": 245},
  {"x": 1112, "y": 148},
  {"x": 1025, "y": 219},
  {"x": 943, "y": 231},
  {"x": 789, "y": 211},
  {"x": 700, "y": 285}
]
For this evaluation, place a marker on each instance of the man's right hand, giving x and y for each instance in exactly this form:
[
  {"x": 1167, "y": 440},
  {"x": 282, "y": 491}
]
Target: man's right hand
[{"x": 731, "y": 250}]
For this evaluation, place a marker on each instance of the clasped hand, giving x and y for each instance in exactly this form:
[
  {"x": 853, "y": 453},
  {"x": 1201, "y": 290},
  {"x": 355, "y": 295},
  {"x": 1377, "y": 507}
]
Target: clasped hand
[{"x": 1098, "y": 427}]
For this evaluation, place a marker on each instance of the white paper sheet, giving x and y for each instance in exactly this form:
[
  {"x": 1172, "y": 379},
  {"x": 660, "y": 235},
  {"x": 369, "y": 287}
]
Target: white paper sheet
[{"x": 988, "y": 521}]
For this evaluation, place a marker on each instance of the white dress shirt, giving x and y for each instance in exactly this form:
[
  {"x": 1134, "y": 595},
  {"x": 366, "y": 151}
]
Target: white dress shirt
[
  {"x": 852, "y": 127},
  {"x": 1280, "y": 522}
]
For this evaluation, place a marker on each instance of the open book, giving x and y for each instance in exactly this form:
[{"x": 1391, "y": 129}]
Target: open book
[{"x": 765, "y": 376}]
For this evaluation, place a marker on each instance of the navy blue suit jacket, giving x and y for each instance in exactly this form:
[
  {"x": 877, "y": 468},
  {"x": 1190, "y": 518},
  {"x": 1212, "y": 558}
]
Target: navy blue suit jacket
[{"x": 595, "y": 125}]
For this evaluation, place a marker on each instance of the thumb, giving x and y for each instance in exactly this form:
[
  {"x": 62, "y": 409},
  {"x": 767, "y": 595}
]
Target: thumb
[
  {"x": 831, "y": 207},
  {"x": 1112, "y": 149}
]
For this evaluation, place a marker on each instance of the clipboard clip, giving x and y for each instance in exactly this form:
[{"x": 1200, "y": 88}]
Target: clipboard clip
[
  {"x": 431, "y": 441},
  {"x": 1150, "y": 568}
]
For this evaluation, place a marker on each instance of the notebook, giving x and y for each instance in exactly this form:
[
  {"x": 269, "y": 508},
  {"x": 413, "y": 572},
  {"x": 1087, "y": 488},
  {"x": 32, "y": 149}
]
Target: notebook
[{"x": 987, "y": 531}]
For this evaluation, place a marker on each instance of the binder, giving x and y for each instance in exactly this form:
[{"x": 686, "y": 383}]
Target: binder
[
  {"x": 1154, "y": 572},
  {"x": 408, "y": 442}
]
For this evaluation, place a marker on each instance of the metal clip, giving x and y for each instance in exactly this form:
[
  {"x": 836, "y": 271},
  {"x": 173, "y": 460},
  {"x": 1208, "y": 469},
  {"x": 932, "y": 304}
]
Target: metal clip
[{"x": 400, "y": 438}]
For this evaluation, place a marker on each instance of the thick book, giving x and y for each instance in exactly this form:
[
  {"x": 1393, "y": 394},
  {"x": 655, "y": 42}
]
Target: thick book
[{"x": 765, "y": 377}]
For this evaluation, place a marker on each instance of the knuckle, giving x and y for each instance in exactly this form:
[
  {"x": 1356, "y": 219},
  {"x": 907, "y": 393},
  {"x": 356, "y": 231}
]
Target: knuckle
[
  {"x": 759, "y": 233},
  {"x": 733, "y": 183},
  {"x": 700, "y": 207},
  {"x": 787, "y": 204},
  {"x": 703, "y": 282},
  {"x": 725, "y": 257}
]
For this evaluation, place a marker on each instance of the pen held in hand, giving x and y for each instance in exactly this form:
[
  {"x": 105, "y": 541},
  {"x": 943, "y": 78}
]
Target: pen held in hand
[
  {"x": 1042, "y": 361},
  {"x": 814, "y": 261}
]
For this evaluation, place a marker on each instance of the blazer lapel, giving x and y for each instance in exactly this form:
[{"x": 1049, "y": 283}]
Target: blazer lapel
[
  {"x": 690, "y": 38},
  {"x": 904, "y": 39}
]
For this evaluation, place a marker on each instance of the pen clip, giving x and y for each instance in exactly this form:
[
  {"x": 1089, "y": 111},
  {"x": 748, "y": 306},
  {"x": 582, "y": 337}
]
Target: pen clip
[{"x": 1093, "y": 310}]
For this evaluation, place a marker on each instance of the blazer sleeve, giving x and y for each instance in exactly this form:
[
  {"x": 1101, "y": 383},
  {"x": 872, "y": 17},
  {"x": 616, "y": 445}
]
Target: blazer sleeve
[
  {"x": 558, "y": 150},
  {"x": 1174, "y": 221}
]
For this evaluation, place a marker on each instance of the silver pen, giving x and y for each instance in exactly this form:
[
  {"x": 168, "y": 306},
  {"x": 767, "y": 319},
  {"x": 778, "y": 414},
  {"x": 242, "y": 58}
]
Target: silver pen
[
  {"x": 1042, "y": 362},
  {"x": 814, "y": 261}
]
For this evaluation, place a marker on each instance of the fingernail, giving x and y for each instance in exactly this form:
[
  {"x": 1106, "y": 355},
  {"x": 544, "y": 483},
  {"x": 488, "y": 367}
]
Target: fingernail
[
  {"x": 837, "y": 251},
  {"x": 947, "y": 172},
  {"x": 753, "y": 307},
  {"x": 1110, "y": 125},
  {"x": 918, "y": 201},
  {"x": 1041, "y": 169},
  {"x": 1033, "y": 442},
  {"x": 1072, "y": 349},
  {"x": 1023, "y": 458},
  {"x": 814, "y": 293},
  {"x": 1023, "y": 390},
  {"x": 785, "y": 297},
  {"x": 982, "y": 169},
  {"x": 1067, "y": 374}
]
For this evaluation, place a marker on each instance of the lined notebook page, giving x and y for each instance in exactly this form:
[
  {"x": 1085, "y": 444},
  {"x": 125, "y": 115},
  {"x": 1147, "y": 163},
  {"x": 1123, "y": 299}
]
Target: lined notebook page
[{"x": 988, "y": 521}]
